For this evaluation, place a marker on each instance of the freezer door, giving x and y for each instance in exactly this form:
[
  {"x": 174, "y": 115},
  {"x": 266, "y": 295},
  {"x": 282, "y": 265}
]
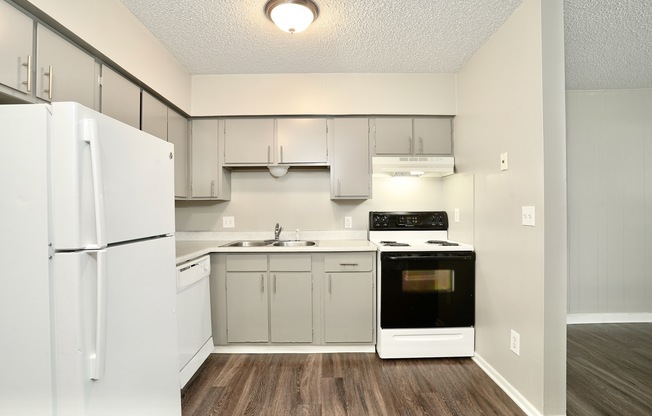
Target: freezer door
[
  {"x": 110, "y": 182},
  {"x": 116, "y": 346}
]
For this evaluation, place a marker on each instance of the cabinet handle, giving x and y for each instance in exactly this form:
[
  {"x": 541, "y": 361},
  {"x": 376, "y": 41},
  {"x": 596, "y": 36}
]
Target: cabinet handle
[
  {"x": 268, "y": 154},
  {"x": 262, "y": 283},
  {"x": 339, "y": 187},
  {"x": 281, "y": 155},
  {"x": 330, "y": 283},
  {"x": 274, "y": 283},
  {"x": 28, "y": 65},
  {"x": 421, "y": 145},
  {"x": 349, "y": 264},
  {"x": 212, "y": 188},
  {"x": 50, "y": 75},
  {"x": 409, "y": 144}
]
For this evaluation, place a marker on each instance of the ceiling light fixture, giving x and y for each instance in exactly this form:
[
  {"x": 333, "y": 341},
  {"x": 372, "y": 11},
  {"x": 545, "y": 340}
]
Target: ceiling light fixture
[{"x": 292, "y": 16}]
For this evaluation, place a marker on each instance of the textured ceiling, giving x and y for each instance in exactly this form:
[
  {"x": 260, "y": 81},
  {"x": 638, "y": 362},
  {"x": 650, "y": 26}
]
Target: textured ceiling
[{"x": 607, "y": 41}]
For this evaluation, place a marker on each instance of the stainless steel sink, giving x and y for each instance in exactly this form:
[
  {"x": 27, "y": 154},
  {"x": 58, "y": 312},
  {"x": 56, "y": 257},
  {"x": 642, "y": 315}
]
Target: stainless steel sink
[
  {"x": 293, "y": 243},
  {"x": 270, "y": 243},
  {"x": 248, "y": 243}
]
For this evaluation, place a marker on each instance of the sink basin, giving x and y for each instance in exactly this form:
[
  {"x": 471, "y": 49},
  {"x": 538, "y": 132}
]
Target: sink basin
[
  {"x": 248, "y": 243},
  {"x": 270, "y": 243},
  {"x": 293, "y": 243}
]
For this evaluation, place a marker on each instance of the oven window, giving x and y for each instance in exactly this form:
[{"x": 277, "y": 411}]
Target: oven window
[{"x": 428, "y": 281}]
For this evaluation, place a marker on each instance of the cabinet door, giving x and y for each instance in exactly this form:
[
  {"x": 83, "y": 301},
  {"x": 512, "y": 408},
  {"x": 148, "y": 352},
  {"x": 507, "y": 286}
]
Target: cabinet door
[
  {"x": 178, "y": 135},
  {"x": 350, "y": 170},
  {"x": 433, "y": 136},
  {"x": 204, "y": 159},
  {"x": 65, "y": 72},
  {"x": 16, "y": 40},
  {"x": 120, "y": 98},
  {"x": 348, "y": 307},
  {"x": 393, "y": 136},
  {"x": 247, "y": 307},
  {"x": 154, "y": 116},
  {"x": 302, "y": 140},
  {"x": 248, "y": 141},
  {"x": 291, "y": 307}
]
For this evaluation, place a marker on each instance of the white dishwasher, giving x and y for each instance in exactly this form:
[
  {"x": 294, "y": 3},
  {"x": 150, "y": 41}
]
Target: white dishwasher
[{"x": 193, "y": 316}]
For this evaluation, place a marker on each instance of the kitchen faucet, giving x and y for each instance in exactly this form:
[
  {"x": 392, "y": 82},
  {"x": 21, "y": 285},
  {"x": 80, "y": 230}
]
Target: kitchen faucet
[{"x": 277, "y": 231}]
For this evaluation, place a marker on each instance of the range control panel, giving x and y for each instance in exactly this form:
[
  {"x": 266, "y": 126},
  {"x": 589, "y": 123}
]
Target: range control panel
[{"x": 413, "y": 220}]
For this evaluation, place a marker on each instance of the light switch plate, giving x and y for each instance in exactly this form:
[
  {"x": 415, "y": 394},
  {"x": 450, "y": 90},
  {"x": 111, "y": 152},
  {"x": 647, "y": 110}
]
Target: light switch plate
[
  {"x": 527, "y": 216},
  {"x": 228, "y": 222},
  {"x": 503, "y": 161}
]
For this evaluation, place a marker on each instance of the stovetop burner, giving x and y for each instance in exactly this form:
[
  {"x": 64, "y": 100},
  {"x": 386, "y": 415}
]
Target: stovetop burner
[
  {"x": 442, "y": 243},
  {"x": 394, "y": 244}
]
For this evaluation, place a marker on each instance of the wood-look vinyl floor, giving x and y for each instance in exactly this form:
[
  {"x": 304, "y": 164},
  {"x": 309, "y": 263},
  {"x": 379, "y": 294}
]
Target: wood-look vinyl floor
[
  {"x": 342, "y": 384},
  {"x": 609, "y": 370}
]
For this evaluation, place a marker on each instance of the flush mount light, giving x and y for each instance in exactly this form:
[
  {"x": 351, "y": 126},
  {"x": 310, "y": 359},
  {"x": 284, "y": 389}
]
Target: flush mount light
[{"x": 291, "y": 16}]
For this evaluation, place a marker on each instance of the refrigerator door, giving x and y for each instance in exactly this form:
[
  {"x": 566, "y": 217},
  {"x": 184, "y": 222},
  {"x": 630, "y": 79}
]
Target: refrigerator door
[
  {"x": 115, "y": 328},
  {"x": 110, "y": 182}
]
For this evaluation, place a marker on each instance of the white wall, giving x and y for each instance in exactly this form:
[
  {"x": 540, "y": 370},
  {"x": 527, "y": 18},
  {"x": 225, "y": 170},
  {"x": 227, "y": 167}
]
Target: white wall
[
  {"x": 610, "y": 201},
  {"x": 109, "y": 27},
  {"x": 301, "y": 199},
  {"x": 502, "y": 107},
  {"x": 332, "y": 94}
]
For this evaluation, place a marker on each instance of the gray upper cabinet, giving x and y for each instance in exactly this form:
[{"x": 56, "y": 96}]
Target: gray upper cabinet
[
  {"x": 16, "y": 59},
  {"x": 64, "y": 72},
  {"x": 178, "y": 135},
  {"x": 393, "y": 136},
  {"x": 120, "y": 98},
  {"x": 433, "y": 136},
  {"x": 350, "y": 167},
  {"x": 412, "y": 136},
  {"x": 248, "y": 141},
  {"x": 301, "y": 140},
  {"x": 208, "y": 179},
  {"x": 154, "y": 116}
]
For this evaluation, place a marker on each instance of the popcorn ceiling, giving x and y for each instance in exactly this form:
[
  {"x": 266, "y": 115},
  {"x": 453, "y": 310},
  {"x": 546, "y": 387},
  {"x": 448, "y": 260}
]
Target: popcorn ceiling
[{"x": 608, "y": 42}]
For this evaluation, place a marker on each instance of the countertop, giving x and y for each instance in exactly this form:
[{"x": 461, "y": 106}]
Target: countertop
[{"x": 188, "y": 249}]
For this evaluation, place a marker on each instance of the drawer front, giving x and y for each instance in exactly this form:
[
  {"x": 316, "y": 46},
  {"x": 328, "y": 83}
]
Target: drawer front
[
  {"x": 290, "y": 263},
  {"x": 348, "y": 262},
  {"x": 246, "y": 263}
]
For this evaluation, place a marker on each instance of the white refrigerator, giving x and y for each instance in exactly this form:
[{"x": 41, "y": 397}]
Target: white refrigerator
[{"x": 87, "y": 257}]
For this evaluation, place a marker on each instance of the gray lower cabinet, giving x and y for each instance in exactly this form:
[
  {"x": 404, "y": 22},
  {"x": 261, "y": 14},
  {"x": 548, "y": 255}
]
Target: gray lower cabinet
[
  {"x": 247, "y": 307},
  {"x": 349, "y": 298},
  {"x": 267, "y": 302},
  {"x": 270, "y": 298}
]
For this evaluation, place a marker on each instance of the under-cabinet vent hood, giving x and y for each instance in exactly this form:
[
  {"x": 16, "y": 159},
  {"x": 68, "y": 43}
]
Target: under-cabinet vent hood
[{"x": 413, "y": 166}]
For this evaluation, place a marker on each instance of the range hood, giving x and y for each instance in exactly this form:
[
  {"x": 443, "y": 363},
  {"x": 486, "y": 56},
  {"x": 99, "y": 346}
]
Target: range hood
[{"x": 413, "y": 166}]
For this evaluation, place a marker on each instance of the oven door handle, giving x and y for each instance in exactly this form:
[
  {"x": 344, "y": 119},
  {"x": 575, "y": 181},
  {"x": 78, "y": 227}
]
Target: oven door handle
[{"x": 456, "y": 257}]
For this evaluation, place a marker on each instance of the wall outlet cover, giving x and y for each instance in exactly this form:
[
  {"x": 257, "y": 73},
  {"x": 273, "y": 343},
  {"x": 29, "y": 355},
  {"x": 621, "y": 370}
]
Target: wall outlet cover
[
  {"x": 515, "y": 342},
  {"x": 527, "y": 216},
  {"x": 456, "y": 214},
  {"x": 228, "y": 222},
  {"x": 348, "y": 222}
]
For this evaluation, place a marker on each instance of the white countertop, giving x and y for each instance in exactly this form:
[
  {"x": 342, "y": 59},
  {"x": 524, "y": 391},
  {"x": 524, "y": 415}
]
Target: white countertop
[{"x": 196, "y": 245}]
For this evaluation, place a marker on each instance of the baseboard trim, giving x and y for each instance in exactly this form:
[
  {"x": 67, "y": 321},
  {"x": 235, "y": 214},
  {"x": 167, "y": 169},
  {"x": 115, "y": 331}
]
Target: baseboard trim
[
  {"x": 514, "y": 394},
  {"x": 608, "y": 318},
  {"x": 292, "y": 349}
]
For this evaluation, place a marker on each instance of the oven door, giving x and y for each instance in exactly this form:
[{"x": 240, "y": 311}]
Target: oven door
[{"x": 427, "y": 290}]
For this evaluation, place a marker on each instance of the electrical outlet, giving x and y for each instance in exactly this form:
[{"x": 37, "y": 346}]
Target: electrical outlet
[
  {"x": 228, "y": 222},
  {"x": 515, "y": 343},
  {"x": 456, "y": 213},
  {"x": 348, "y": 222},
  {"x": 527, "y": 216},
  {"x": 503, "y": 161}
]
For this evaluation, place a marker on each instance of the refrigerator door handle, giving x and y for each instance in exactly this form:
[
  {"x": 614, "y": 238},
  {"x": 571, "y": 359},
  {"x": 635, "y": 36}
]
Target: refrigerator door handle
[
  {"x": 98, "y": 357},
  {"x": 89, "y": 132}
]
